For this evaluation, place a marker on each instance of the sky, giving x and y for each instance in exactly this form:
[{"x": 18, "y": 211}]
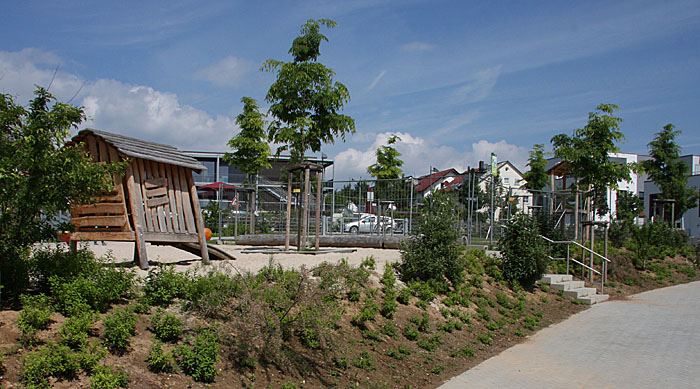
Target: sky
[{"x": 455, "y": 80}]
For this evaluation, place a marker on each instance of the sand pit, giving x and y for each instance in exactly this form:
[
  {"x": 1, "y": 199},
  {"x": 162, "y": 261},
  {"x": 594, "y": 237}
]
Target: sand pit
[{"x": 247, "y": 259}]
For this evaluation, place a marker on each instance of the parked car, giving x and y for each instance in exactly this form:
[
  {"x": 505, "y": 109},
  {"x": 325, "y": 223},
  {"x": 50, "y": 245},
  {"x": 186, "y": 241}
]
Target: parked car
[{"x": 369, "y": 223}]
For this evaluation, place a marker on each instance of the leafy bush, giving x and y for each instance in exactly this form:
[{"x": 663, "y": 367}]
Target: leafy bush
[
  {"x": 160, "y": 361},
  {"x": 199, "y": 358},
  {"x": 210, "y": 292},
  {"x": 163, "y": 284},
  {"x": 430, "y": 343},
  {"x": 74, "y": 332},
  {"x": 35, "y": 314},
  {"x": 410, "y": 331},
  {"x": 166, "y": 326},
  {"x": 432, "y": 253},
  {"x": 49, "y": 360},
  {"x": 120, "y": 326},
  {"x": 466, "y": 352},
  {"x": 524, "y": 255},
  {"x": 90, "y": 356},
  {"x": 390, "y": 329},
  {"x": 404, "y": 296},
  {"x": 367, "y": 313},
  {"x": 106, "y": 377}
]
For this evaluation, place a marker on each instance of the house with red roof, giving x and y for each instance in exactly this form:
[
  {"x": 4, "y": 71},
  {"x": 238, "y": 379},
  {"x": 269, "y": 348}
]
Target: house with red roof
[{"x": 428, "y": 184}]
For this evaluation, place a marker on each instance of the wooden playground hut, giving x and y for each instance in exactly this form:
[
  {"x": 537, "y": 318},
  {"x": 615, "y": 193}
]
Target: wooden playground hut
[{"x": 155, "y": 201}]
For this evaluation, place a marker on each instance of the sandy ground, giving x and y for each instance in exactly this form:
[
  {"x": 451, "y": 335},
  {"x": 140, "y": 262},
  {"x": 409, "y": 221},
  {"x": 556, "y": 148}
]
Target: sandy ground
[{"x": 123, "y": 252}]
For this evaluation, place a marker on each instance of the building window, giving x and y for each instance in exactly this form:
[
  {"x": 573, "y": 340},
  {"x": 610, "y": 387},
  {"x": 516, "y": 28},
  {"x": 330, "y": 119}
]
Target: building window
[
  {"x": 526, "y": 200},
  {"x": 506, "y": 180}
]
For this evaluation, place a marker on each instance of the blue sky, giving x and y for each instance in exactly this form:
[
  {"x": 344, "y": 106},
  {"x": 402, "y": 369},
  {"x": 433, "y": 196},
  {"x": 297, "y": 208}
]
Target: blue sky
[{"x": 456, "y": 80}]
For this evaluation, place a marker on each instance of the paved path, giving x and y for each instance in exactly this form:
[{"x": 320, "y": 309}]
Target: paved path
[{"x": 651, "y": 340}]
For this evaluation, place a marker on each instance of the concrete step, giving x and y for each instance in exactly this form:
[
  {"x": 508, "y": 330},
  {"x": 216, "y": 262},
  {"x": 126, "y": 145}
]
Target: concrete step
[
  {"x": 555, "y": 278},
  {"x": 594, "y": 299},
  {"x": 567, "y": 285},
  {"x": 580, "y": 292}
]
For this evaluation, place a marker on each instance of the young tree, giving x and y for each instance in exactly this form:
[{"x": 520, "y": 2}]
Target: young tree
[
  {"x": 251, "y": 148},
  {"x": 39, "y": 176},
  {"x": 305, "y": 99},
  {"x": 588, "y": 154},
  {"x": 388, "y": 164},
  {"x": 669, "y": 172},
  {"x": 536, "y": 177}
]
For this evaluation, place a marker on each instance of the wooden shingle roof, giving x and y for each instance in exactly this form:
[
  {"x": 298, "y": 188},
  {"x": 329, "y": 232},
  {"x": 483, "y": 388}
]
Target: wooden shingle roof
[{"x": 137, "y": 148}]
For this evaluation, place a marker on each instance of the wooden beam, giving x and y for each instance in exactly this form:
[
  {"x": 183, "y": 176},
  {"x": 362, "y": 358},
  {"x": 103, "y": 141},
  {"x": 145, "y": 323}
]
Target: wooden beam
[
  {"x": 98, "y": 209},
  {"x": 170, "y": 237},
  {"x": 118, "y": 236},
  {"x": 89, "y": 221},
  {"x": 137, "y": 217},
  {"x": 197, "y": 216}
]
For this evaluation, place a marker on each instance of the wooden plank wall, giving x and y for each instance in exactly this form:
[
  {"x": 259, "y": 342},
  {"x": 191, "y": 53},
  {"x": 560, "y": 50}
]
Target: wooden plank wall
[
  {"x": 109, "y": 213},
  {"x": 166, "y": 201}
]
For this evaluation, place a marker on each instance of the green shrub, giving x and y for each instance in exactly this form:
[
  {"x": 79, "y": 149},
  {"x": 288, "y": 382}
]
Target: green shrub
[
  {"x": 524, "y": 254},
  {"x": 485, "y": 338},
  {"x": 166, "y": 326},
  {"x": 107, "y": 377},
  {"x": 364, "y": 361},
  {"x": 432, "y": 253},
  {"x": 49, "y": 360},
  {"x": 354, "y": 295},
  {"x": 75, "y": 331},
  {"x": 90, "y": 356},
  {"x": 369, "y": 263},
  {"x": 35, "y": 314},
  {"x": 163, "y": 284},
  {"x": 368, "y": 312},
  {"x": 390, "y": 329},
  {"x": 120, "y": 326},
  {"x": 198, "y": 359},
  {"x": 389, "y": 305},
  {"x": 465, "y": 352},
  {"x": 210, "y": 292},
  {"x": 63, "y": 264},
  {"x": 404, "y": 296},
  {"x": 160, "y": 361},
  {"x": 410, "y": 331},
  {"x": 430, "y": 343}
]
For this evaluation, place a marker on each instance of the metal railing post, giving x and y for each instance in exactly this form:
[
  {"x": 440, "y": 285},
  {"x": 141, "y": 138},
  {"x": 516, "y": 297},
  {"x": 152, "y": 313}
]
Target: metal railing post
[{"x": 567, "y": 258}]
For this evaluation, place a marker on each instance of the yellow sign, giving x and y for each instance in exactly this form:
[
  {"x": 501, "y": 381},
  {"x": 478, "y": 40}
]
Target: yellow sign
[{"x": 296, "y": 190}]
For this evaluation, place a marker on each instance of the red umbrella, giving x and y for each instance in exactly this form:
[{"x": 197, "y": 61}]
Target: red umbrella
[{"x": 217, "y": 185}]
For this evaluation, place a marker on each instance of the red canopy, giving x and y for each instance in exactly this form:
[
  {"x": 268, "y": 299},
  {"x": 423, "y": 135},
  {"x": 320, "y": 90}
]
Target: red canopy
[{"x": 217, "y": 185}]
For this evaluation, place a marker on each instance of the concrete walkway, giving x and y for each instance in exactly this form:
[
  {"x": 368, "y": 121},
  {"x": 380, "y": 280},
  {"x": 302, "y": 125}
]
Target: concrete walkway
[{"x": 651, "y": 340}]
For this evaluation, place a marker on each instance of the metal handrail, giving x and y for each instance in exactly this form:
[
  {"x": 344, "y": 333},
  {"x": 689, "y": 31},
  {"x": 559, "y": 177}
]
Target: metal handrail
[
  {"x": 576, "y": 244},
  {"x": 602, "y": 273}
]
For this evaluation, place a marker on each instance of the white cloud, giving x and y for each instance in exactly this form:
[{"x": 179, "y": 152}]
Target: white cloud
[
  {"x": 417, "y": 46},
  {"x": 132, "y": 110},
  {"x": 227, "y": 72},
  {"x": 479, "y": 87},
  {"x": 419, "y": 156}
]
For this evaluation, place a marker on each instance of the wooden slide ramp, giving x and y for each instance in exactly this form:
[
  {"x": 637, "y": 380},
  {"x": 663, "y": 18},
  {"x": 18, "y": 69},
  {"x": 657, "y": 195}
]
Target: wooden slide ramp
[{"x": 213, "y": 251}]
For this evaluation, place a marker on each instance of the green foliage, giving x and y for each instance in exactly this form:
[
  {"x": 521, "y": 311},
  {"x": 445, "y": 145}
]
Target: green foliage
[
  {"x": 107, "y": 377},
  {"x": 628, "y": 206},
  {"x": 388, "y": 165},
  {"x": 79, "y": 282},
  {"x": 163, "y": 284},
  {"x": 39, "y": 175},
  {"x": 390, "y": 329},
  {"x": 430, "y": 343},
  {"x": 75, "y": 331},
  {"x": 35, "y": 314},
  {"x": 410, "y": 331},
  {"x": 210, "y": 292},
  {"x": 305, "y": 101},
  {"x": 367, "y": 313},
  {"x": 251, "y": 148},
  {"x": 49, "y": 360},
  {"x": 669, "y": 172},
  {"x": 199, "y": 358},
  {"x": 404, "y": 296},
  {"x": 464, "y": 352},
  {"x": 432, "y": 253},
  {"x": 389, "y": 305},
  {"x": 523, "y": 251},
  {"x": 364, "y": 361},
  {"x": 536, "y": 178},
  {"x": 485, "y": 338},
  {"x": 160, "y": 361},
  {"x": 120, "y": 326},
  {"x": 166, "y": 326},
  {"x": 588, "y": 151},
  {"x": 90, "y": 356}
]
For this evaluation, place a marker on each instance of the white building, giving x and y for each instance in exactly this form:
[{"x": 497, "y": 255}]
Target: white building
[{"x": 690, "y": 221}]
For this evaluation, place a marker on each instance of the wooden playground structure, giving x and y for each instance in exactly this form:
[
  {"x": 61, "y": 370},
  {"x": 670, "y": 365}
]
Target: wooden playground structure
[{"x": 154, "y": 202}]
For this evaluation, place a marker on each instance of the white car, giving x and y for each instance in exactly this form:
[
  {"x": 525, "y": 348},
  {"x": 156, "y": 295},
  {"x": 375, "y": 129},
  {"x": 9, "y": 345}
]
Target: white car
[{"x": 368, "y": 223}]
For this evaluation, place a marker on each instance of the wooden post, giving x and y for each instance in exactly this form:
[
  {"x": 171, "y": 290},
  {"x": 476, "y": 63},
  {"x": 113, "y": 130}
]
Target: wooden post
[
  {"x": 137, "y": 218},
  {"x": 577, "y": 215},
  {"x": 305, "y": 216},
  {"x": 289, "y": 210},
  {"x": 251, "y": 211},
  {"x": 197, "y": 217},
  {"x": 238, "y": 209},
  {"x": 318, "y": 208}
]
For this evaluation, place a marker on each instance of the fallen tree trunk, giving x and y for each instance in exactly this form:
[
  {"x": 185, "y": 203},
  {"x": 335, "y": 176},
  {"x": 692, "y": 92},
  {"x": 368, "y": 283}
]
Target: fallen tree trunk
[{"x": 367, "y": 241}]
